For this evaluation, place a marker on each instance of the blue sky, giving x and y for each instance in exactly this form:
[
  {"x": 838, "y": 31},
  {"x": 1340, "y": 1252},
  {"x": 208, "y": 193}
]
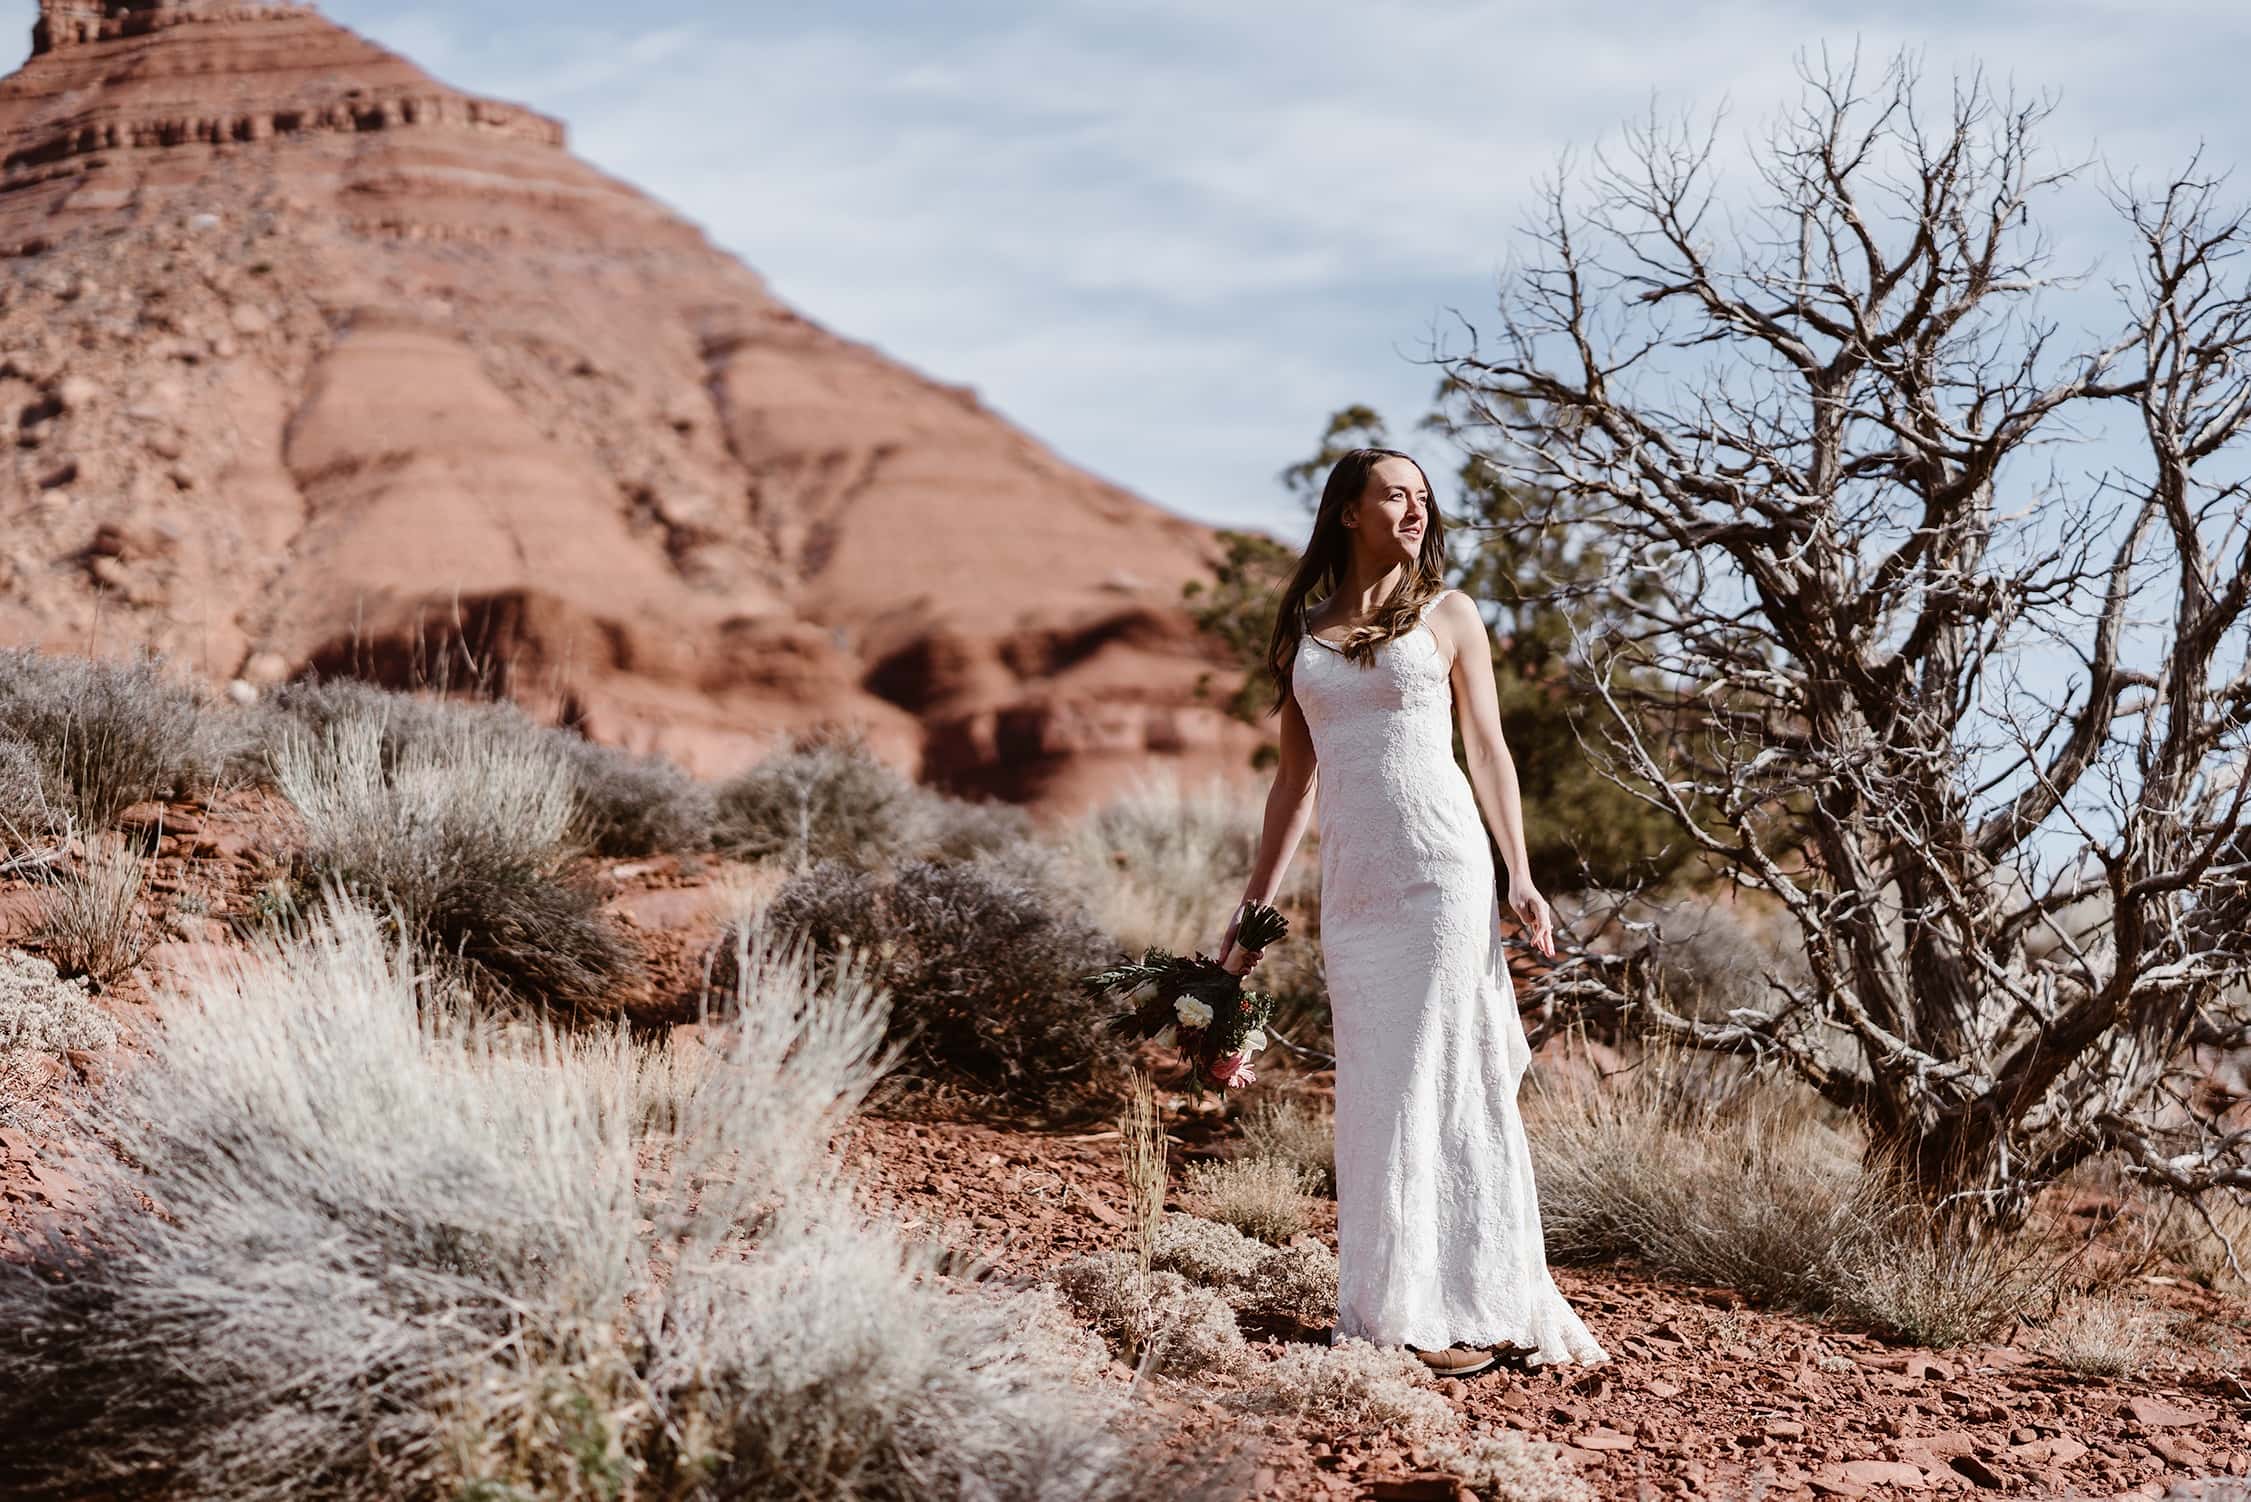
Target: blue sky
[{"x": 1170, "y": 237}]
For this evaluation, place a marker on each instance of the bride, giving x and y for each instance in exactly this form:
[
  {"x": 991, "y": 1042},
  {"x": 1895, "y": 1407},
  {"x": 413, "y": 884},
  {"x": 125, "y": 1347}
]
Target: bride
[{"x": 1439, "y": 1245}]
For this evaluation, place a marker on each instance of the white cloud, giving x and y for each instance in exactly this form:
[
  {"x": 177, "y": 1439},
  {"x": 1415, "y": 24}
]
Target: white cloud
[{"x": 1169, "y": 236}]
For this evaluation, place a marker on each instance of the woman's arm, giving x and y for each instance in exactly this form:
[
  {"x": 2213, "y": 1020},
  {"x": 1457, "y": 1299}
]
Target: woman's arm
[
  {"x": 1289, "y": 808},
  {"x": 1492, "y": 771}
]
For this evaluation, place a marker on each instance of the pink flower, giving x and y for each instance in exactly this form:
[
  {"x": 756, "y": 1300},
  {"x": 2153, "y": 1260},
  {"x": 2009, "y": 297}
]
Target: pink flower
[{"x": 1230, "y": 1069}]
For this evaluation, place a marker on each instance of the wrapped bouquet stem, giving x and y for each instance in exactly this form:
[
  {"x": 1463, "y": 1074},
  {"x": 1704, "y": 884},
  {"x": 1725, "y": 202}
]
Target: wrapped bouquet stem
[{"x": 1195, "y": 1004}]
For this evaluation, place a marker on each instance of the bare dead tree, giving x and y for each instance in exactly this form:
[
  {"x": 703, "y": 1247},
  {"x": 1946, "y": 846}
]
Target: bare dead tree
[{"x": 1817, "y": 438}]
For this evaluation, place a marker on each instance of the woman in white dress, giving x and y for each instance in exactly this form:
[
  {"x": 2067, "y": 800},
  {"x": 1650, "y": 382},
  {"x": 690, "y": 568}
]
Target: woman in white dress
[{"x": 1439, "y": 1245}]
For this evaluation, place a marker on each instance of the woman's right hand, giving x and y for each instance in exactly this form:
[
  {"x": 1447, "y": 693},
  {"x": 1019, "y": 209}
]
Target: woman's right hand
[{"x": 1232, "y": 960}]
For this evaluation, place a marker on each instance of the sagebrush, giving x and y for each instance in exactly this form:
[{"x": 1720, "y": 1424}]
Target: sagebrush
[
  {"x": 983, "y": 971},
  {"x": 414, "y": 1250},
  {"x": 467, "y": 838}
]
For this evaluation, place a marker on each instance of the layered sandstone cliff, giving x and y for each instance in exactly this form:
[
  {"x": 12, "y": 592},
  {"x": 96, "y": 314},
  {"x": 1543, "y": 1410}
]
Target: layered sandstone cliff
[{"x": 317, "y": 363}]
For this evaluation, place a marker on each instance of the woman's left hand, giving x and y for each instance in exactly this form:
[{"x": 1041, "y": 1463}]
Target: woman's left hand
[{"x": 1531, "y": 910}]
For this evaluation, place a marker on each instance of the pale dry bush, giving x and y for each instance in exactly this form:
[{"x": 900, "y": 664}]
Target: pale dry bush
[
  {"x": 92, "y": 924},
  {"x": 1298, "y": 1281},
  {"x": 33, "y": 821},
  {"x": 983, "y": 972},
  {"x": 41, "y": 1013},
  {"x": 827, "y": 796},
  {"x": 1693, "y": 1166},
  {"x": 1504, "y": 1466},
  {"x": 1290, "y": 1131},
  {"x": 1205, "y": 1251},
  {"x": 1353, "y": 1388},
  {"x": 1261, "y": 1197},
  {"x": 111, "y": 732},
  {"x": 467, "y": 838},
  {"x": 1181, "y": 1328},
  {"x": 2105, "y": 1336},
  {"x": 416, "y": 1252},
  {"x": 626, "y": 804}
]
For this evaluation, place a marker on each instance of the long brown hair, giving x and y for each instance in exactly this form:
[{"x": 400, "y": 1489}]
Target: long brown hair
[{"x": 1329, "y": 552}]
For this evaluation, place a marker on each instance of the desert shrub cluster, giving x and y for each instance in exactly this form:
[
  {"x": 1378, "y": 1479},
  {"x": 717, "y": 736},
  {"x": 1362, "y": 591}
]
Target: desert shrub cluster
[
  {"x": 412, "y": 1250},
  {"x": 467, "y": 839},
  {"x": 827, "y": 796},
  {"x": 102, "y": 735},
  {"x": 1694, "y": 1167},
  {"x": 984, "y": 967},
  {"x": 623, "y": 804}
]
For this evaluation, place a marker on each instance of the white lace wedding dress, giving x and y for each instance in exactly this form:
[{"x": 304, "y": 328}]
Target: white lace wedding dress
[{"x": 1438, "y": 1226}]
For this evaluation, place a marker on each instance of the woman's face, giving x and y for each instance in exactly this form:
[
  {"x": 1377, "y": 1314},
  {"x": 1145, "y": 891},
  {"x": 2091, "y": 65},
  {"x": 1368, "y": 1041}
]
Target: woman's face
[{"x": 1392, "y": 512}]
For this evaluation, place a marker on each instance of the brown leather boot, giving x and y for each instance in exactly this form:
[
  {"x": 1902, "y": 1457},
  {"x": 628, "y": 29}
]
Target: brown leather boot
[{"x": 1455, "y": 1361}]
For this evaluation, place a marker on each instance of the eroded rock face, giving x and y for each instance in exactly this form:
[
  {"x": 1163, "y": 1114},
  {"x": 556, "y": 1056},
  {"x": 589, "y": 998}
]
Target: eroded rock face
[{"x": 312, "y": 361}]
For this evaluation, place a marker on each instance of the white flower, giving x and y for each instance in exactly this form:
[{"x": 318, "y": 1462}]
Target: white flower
[
  {"x": 1253, "y": 1041},
  {"x": 1167, "y": 1036},
  {"x": 1191, "y": 1012}
]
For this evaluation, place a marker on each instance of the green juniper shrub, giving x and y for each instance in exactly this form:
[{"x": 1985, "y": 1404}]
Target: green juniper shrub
[{"x": 982, "y": 967}]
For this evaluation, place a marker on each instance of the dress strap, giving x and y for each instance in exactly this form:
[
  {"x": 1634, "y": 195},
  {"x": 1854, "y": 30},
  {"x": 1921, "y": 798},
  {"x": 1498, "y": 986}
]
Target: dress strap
[{"x": 1434, "y": 599}]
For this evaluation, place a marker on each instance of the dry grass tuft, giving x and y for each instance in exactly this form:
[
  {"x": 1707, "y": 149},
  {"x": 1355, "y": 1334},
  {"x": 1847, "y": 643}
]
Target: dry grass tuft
[
  {"x": 2106, "y": 1336},
  {"x": 92, "y": 925},
  {"x": 1261, "y": 1197},
  {"x": 109, "y": 733},
  {"x": 829, "y": 797},
  {"x": 623, "y": 804},
  {"x": 1691, "y": 1166},
  {"x": 1159, "y": 851},
  {"x": 1908, "y": 1276},
  {"x": 33, "y": 821},
  {"x": 1293, "y": 1132},
  {"x": 1141, "y": 1138}
]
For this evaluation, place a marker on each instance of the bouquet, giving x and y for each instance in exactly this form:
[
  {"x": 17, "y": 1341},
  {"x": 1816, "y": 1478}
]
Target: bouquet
[{"x": 1196, "y": 1004}]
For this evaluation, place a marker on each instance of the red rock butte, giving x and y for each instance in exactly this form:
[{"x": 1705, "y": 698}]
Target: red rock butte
[{"x": 317, "y": 364}]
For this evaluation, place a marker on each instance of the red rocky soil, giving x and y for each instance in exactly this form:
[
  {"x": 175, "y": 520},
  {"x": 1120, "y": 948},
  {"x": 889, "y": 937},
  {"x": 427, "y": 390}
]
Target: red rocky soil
[
  {"x": 1704, "y": 1397},
  {"x": 313, "y": 361}
]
